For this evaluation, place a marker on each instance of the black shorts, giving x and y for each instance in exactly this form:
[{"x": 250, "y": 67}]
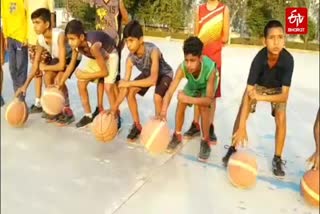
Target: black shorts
[{"x": 162, "y": 85}]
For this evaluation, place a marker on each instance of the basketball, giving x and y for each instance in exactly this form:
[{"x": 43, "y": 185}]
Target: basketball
[
  {"x": 17, "y": 113},
  {"x": 105, "y": 127},
  {"x": 155, "y": 136},
  {"x": 242, "y": 170},
  {"x": 310, "y": 187},
  {"x": 52, "y": 101}
]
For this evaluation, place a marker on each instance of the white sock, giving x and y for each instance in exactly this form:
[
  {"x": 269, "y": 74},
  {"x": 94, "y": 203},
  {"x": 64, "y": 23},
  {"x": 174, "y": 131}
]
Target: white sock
[
  {"x": 88, "y": 115},
  {"x": 37, "y": 102}
]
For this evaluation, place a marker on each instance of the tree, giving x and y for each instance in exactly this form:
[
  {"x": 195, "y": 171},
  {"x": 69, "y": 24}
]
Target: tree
[{"x": 258, "y": 15}]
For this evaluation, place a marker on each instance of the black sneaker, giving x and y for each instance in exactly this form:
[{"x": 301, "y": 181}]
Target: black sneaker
[
  {"x": 85, "y": 120},
  {"x": 193, "y": 131},
  {"x": 174, "y": 143},
  {"x": 64, "y": 119},
  {"x": 2, "y": 101},
  {"x": 277, "y": 164},
  {"x": 134, "y": 133},
  {"x": 49, "y": 118},
  {"x": 231, "y": 150},
  {"x": 205, "y": 151},
  {"x": 35, "y": 109},
  {"x": 95, "y": 113},
  {"x": 213, "y": 136}
]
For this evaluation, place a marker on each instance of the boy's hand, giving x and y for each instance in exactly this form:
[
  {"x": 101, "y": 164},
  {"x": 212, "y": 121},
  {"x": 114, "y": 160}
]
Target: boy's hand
[
  {"x": 182, "y": 97},
  {"x": 240, "y": 137},
  {"x": 42, "y": 67},
  {"x": 254, "y": 95},
  {"x": 314, "y": 160},
  {"x": 38, "y": 73},
  {"x": 21, "y": 91},
  {"x": 124, "y": 84}
]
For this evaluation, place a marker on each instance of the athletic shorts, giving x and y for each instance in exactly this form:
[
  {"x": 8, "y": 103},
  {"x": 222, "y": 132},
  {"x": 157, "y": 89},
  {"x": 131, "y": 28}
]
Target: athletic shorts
[
  {"x": 269, "y": 91},
  {"x": 162, "y": 85},
  {"x": 91, "y": 66}
]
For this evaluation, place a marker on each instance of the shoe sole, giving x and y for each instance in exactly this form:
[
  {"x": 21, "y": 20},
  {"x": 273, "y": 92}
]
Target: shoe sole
[
  {"x": 188, "y": 137},
  {"x": 176, "y": 150},
  {"x": 203, "y": 160},
  {"x": 63, "y": 124}
]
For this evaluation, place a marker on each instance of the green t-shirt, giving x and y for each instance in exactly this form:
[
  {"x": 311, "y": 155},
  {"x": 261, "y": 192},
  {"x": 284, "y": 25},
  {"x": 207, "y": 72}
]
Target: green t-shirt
[{"x": 197, "y": 87}]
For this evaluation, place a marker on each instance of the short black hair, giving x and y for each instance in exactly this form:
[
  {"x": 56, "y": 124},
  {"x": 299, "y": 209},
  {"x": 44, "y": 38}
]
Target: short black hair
[
  {"x": 42, "y": 13},
  {"x": 271, "y": 24},
  {"x": 133, "y": 29},
  {"x": 193, "y": 45},
  {"x": 74, "y": 27}
]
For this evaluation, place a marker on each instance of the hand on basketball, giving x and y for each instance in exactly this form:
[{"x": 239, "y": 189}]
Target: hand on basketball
[
  {"x": 182, "y": 97},
  {"x": 314, "y": 160},
  {"x": 240, "y": 138},
  {"x": 123, "y": 84},
  {"x": 162, "y": 116},
  {"x": 21, "y": 91}
]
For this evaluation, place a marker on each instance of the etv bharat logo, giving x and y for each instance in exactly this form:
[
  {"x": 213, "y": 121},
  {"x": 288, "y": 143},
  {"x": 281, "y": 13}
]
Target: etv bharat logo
[{"x": 296, "y": 20}]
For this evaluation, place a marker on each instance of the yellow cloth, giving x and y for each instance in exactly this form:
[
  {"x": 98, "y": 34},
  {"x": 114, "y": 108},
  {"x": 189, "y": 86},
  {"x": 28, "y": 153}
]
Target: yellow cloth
[
  {"x": 14, "y": 20},
  {"x": 33, "y": 5}
]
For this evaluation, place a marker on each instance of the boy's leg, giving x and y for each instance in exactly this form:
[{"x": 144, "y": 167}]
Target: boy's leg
[
  {"x": 194, "y": 129},
  {"x": 162, "y": 86},
  {"x": 12, "y": 62},
  {"x": 281, "y": 129},
  {"x": 205, "y": 149},
  {"x": 133, "y": 106},
  {"x": 179, "y": 120},
  {"x": 83, "y": 92}
]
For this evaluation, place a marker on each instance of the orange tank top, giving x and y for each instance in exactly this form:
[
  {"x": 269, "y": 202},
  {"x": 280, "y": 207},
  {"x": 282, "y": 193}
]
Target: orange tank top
[{"x": 210, "y": 30}]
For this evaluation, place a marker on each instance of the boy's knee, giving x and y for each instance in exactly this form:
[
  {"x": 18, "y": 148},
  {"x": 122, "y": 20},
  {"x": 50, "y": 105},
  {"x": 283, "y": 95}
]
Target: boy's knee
[
  {"x": 108, "y": 88},
  {"x": 132, "y": 92},
  {"x": 157, "y": 98}
]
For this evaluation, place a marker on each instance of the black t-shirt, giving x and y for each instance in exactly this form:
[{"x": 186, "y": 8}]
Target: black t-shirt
[{"x": 280, "y": 75}]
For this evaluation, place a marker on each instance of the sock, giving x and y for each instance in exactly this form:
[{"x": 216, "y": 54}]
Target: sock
[
  {"x": 178, "y": 135},
  {"x": 37, "y": 102},
  {"x": 138, "y": 125},
  {"x": 67, "y": 111},
  {"x": 88, "y": 115}
]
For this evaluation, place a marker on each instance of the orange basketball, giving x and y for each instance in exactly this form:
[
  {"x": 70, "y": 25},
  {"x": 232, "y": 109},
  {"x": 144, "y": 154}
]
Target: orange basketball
[
  {"x": 52, "y": 101},
  {"x": 242, "y": 170},
  {"x": 310, "y": 187},
  {"x": 105, "y": 127},
  {"x": 155, "y": 136},
  {"x": 17, "y": 113}
]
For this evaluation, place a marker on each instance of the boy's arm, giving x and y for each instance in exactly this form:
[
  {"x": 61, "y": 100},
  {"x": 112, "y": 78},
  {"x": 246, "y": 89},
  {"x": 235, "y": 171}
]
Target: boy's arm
[
  {"x": 124, "y": 13},
  {"x": 62, "y": 57},
  {"x": 123, "y": 91},
  {"x": 173, "y": 86},
  {"x": 154, "y": 73},
  {"x": 35, "y": 69},
  {"x": 202, "y": 101},
  {"x": 226, "y": 25},
  {"x": 70, "y": 68},
  {"x": 101, "y": 61},
  {"x": 196, "y": 22},
  {"x": 278, "y": 98}
]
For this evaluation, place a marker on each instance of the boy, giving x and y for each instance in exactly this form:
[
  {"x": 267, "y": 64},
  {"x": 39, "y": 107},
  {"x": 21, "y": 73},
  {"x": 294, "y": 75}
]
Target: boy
[
  {"x": 154, "y": 72},
  {"x": 269, "y": 81},
  {"x": 32, "y": 44},
  {"x": 314, "y": 159},
  {"x": 15, "y": 33},
  {"x": 98, "y": 62},
  {"x": 50, "y": 58},
  {"x": 203, "y": 80},
  {"x": 212, "y": 15}
]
